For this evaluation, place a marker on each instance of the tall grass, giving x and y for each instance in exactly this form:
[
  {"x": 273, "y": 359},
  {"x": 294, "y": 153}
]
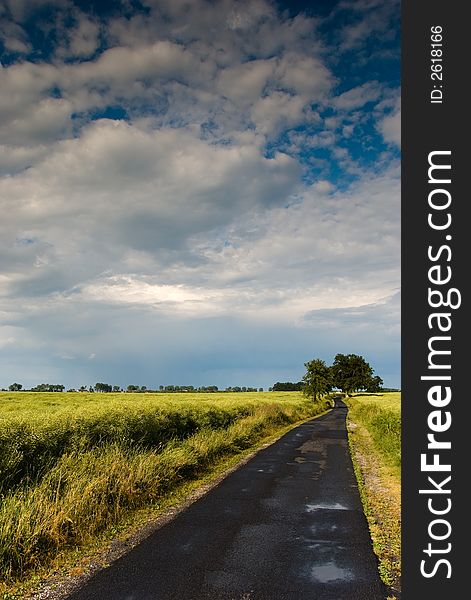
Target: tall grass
[
  {"x": 383, "y": 421},
  {"x": 70, "y": 478},
  {"x": 30, "y": 447}
]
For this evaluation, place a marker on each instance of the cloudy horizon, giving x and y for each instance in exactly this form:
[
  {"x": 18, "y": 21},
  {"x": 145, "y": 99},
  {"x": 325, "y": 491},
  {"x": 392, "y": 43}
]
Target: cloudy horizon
[{"x": 198, "y": 193}]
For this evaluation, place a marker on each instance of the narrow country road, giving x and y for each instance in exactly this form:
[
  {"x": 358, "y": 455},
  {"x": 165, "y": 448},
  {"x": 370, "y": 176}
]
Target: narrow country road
[{"x": 288, "y": 525}]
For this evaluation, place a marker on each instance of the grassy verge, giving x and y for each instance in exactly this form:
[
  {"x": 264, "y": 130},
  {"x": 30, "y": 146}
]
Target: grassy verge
[
  {"x": 89, "y": 493},
  {"x": 374, "y": 437}
]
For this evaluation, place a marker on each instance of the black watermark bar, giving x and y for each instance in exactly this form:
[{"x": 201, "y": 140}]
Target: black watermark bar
[{"x": 436, "y": 402}]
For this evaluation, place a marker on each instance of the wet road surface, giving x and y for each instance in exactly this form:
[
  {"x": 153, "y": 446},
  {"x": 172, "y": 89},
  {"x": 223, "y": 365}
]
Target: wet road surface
[{"x": 288, "y": 525}]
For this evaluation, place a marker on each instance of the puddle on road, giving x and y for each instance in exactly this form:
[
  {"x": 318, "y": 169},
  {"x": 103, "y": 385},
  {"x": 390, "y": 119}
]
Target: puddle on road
[
  {"x": 315, "y": 529},
  {"x": 331, "y": 572},
  {"x": 326, "y": 506},
  {"x": 311, "y": 446}
]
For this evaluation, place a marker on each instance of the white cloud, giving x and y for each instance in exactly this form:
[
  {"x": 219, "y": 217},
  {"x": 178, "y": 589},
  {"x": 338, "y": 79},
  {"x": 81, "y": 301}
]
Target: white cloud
[
  {"x": 358, "y": 96},
  {"x": 323, "y": 187},
  {"x": 128, "y": 190},
  {"x": 244, "y": 83},
  {"x": 119, "y": 65},
  {"x": 82, "y": 40},
  {"x": 277, "y": 111},
  {"x": 21, "y": 9},
  {"x": 14, "y": 37},
  {"x": 22, "y": 86},
  {"x": 45, "y": 122},
  {"x": 305, "y": 75},
  {"x": 390, "y": 125},
  {"x": 16, "y": 159},
  {"x": 372, "y": 19}
]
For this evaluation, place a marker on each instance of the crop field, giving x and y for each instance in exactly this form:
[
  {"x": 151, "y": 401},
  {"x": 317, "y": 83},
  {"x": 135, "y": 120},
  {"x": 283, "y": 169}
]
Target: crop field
[{"x": 73, "y": 464}]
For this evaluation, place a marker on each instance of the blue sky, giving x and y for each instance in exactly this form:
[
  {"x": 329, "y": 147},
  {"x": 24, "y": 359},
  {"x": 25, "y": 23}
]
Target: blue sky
[{"x": 198, "y": 193}]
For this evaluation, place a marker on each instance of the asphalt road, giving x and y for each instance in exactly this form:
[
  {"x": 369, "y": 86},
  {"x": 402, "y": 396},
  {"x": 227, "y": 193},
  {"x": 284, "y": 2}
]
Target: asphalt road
[{"x": 288, "y": 525}]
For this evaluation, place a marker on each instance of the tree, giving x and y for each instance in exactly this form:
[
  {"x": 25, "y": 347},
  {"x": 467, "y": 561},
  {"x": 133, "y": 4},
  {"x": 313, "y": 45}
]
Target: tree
[
  {"x": 103, "y": 387},
  {"x": 351, "y": 372},
  {"x": 48, "y": 387},
  {"x": 287, "y": 386},
  {"x": 317, "y": 380},
  {"x": 375, "y": 384},
  {"x": 15, "y": 387}
]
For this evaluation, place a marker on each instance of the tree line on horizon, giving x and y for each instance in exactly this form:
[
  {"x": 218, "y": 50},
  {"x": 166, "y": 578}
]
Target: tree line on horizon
[
  {"x": 107, "y": 388},
  {"x": 349, "y": 373}
]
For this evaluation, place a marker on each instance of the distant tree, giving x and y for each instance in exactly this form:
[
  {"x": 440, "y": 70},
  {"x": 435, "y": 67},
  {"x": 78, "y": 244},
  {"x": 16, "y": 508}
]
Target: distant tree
[
  {"x": 143, "y": 388},
  {"x": 351, "y": 372},
  {"x": 116, "y": 388},
  {"x": 91, "y": 389},
  {"x": 260, "y": 389},
  {"x": 375, "y": 384},
  {"x": 48, "y": 387},
  {"x": 161, "y": 387},
  {"x": 103, "y": 387},
  {"x": 82, "y": 388},
  {"x": 317, "y": 380},
  {"x": 287, "y": 386},
  {"x": 132, "y": 388},
  {"x": 15, "y": 387}
]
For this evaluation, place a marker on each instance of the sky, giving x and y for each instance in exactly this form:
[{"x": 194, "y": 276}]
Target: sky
[{"x": 198, "y": 192}]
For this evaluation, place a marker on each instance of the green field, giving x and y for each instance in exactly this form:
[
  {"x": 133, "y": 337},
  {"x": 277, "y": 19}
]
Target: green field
[
  {"x": 72, "y": 465},
  {"x": 375, "y": 440},
  {"x": 381, "y": 415},
  {"x": 386, "y": 401}
]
